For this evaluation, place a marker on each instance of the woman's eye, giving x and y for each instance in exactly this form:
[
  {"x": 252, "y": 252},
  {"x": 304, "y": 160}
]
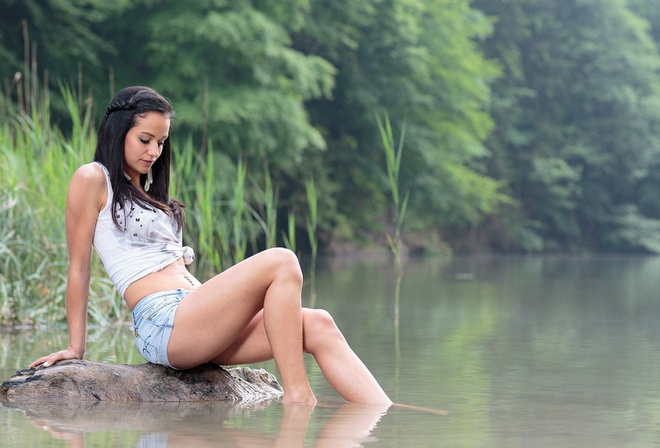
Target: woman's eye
[{"x": 145, "y": 141}]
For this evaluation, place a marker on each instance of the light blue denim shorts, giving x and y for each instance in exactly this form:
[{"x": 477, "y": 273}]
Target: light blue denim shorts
[{"x": 153, "y": 321}]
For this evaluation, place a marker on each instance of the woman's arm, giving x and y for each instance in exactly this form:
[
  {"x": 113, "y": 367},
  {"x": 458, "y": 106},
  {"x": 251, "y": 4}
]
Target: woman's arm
[{"x": 86, "y": 197}]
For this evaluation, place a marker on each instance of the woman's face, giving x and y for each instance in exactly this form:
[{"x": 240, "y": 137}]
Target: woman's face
[{"x": 144, "y": 143}]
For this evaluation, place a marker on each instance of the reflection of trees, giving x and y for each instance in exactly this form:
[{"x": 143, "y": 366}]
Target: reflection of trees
[
  {"x": 113, "y": 344},
  {"x": 524, "y": 351},
  {"x": 196, "y": 424},
  {"x": 536, "y": 350}
]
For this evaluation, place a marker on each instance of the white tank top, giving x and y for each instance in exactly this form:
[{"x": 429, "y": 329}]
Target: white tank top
[{"x": 147, "y": 242}]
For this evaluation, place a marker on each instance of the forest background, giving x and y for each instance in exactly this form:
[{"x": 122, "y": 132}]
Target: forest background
[{"x": 526, "y": 125}]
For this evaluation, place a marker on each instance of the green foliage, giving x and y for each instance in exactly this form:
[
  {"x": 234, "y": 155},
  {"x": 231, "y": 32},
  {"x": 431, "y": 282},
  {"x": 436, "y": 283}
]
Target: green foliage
[
  {"x": 576, "y": 116},
  {"x": 631, "y": 231},
  {"x": 280, "y": 82},
  {"x": 312, "y": 222},
  {"x": 266, "y": 211},
  {"x": 312, "y": 219},
  {"x": 393, "y": 153},
  {"x": 60, "y": 30},
  {"x": 37, "y": 163},
  {"x": 530, "y": 124},
  {"x": 231, "y": 71},
  {"x": 289, "y": 237},
  {"x": 420, "y": 62}
]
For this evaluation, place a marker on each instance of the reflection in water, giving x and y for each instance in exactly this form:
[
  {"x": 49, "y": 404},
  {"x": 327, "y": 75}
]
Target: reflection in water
[
  {"x": 187, "y": 424},
  {"x": 522, "y": 351}
]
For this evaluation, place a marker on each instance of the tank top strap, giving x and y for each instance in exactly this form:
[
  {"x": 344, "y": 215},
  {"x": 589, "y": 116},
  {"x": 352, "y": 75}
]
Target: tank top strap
[{"x": 108, "y": 184}]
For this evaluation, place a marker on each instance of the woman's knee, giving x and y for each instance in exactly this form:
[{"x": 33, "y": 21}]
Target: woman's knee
[
  {"x": 319, "y": 330},
  {"x": 285, "y": 264}
]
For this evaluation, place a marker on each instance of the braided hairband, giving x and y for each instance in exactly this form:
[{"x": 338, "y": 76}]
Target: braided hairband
[{"x": 120, "y": 105}]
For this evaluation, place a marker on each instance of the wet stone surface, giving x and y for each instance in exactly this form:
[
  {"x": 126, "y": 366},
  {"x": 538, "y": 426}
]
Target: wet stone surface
[{"x": 79, "y": 380}]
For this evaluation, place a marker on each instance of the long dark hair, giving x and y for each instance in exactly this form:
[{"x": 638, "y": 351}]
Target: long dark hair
[{"x": 121, "y": 115}]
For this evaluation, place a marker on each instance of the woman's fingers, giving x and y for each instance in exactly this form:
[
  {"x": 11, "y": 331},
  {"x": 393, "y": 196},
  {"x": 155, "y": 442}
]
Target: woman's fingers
[
  {"x": 53, "y": 358},
  {"x": 38, "y": 362},
  {"x": 44, "y": 361}
]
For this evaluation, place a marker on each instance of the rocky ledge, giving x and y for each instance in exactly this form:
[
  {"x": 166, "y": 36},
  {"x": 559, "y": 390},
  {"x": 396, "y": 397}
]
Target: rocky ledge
[{"x": 79, "y": 380}]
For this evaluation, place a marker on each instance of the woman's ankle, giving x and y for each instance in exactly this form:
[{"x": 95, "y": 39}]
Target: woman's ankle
[{"x": 299, "y": 397}]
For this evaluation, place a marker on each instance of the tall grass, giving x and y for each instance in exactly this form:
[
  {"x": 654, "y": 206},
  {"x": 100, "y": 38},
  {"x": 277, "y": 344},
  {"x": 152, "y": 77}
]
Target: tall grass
[
  {"x": 265, "y": 213},
  {"x": 240, "y": 211},
  {"x": 393, "y": 152},
  {"x": 289, "y": 237},
  {"x": 312, "y": 225},
  {"x": 228, "y": 212},
  {"x": 37, "y": 161}
]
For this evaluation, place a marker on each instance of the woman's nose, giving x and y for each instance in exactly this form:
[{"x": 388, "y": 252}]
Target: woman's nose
[{"x": 154, "y": 150}]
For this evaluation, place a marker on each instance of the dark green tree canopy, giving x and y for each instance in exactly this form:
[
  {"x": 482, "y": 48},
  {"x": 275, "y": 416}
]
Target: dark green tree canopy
[
  {"x": 531, "y": 125},
  {"x": 576, "y": 118}
]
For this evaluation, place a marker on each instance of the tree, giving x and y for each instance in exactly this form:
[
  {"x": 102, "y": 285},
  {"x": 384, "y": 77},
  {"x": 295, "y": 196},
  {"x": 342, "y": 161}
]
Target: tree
[
  {"x": 576, "y": 119},
  {"x": 230, "y": 67},
  {"x": 419, "y": 61},
  {"x": 51, "y": 35}
]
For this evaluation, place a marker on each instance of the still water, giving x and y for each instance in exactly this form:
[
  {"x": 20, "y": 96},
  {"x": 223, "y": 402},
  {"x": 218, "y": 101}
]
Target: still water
[{"x": 521, "y": 351}]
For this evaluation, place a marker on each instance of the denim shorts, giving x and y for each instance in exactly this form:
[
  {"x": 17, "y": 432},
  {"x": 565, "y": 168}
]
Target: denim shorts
[{"x": 153, "y": 321}]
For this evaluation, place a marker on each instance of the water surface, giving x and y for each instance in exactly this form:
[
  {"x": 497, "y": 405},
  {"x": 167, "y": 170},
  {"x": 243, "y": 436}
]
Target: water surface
[{"x": 521, "y": 351}]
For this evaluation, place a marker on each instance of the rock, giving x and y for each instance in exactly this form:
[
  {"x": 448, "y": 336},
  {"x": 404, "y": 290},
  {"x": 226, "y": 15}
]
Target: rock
[{"x": 79, "y": 380}]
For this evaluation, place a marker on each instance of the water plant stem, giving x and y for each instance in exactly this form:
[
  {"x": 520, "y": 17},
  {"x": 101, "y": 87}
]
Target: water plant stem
[
  {"x": 312, "y": 224},
  {"x": 393, "y": 154}
]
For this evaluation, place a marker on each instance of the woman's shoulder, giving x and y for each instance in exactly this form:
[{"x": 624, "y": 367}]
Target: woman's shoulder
[
  {"x": 89, "y": 180},
  {"x": 90, "y": 174}
]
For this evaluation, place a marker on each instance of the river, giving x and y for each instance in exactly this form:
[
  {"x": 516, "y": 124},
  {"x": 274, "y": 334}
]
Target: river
[{"x": 520, "y": 351}]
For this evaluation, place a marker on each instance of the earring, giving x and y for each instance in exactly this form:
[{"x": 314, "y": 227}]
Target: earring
[
  {"x": 128, "y": 178},
  {"x": 149, "y": 181}
]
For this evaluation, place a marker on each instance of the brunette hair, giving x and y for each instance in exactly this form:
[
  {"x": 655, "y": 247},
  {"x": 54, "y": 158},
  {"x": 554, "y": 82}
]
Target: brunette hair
[{"x": 121, "y": 115}]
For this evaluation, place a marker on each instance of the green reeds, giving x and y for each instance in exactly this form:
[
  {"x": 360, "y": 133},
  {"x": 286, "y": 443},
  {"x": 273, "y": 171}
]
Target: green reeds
[
  {"x": 312, "y": 225},
  {"x": 393, "y": 154},
  {"x": 289, "y": 237},
  {"x": 37, "y": 164},
  {"x": 393, "y": 165},
  {"x": 239, "y": 210},
  {"x": 226, "y": 211},
  {"x": 265, "y": 211},
  {"x": 194, "y": 183},
  {"x": 223, "y": 219}
]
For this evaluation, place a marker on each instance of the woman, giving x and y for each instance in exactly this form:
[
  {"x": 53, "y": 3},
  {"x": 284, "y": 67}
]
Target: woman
[{"x": 249, "y": 313}]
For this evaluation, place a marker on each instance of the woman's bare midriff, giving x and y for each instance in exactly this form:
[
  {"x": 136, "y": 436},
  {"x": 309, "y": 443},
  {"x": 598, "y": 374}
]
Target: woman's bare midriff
[{"x": 174, "y": 276}]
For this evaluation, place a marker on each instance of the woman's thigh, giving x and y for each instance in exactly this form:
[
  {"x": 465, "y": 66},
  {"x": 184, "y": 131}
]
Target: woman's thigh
[
  {"x": 222, "y": 311},
  {"x": 252, "y": 344}
]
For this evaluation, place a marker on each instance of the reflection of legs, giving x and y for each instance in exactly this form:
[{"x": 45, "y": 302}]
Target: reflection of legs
[
  {"x": 294, "y": 426},
  {"x": 225, "y": 315},
  {"x": 351, "y": 425}
]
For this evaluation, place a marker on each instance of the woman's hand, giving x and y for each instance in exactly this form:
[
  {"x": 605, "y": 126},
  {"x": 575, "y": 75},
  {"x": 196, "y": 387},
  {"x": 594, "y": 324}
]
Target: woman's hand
[{"x": 68, "y": 353}]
